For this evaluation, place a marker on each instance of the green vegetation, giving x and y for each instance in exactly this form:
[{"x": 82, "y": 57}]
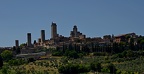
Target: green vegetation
[
  {"x": 7, "y": 55},
  {"x": 68, "y": 53},
  {"x": 95, "y": 66},
  {"x": 73, "y": 68},
  {"x": 17, "y": 62},
  {"x": 1, "y": 62},
  {"x": 65, "y": 65},
  {"x": 117, "y": 58}
]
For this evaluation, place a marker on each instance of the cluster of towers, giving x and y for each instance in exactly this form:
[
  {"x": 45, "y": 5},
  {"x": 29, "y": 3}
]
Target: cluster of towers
[
  {"x": 41, "y": 41},
  {"x": 58, "y": 40},
  {"x": 29, "y": 41}
]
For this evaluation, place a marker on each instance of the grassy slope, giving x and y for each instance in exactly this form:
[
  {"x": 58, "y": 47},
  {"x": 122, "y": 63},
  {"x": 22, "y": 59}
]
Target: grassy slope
[{"x": 50, "y": 65}]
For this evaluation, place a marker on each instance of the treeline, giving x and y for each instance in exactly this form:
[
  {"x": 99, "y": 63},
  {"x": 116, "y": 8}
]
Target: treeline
[
  {"x": 93, "y": 67},
  {"x": 70, "y": 68},
  {"x": 68, "y": 53}
]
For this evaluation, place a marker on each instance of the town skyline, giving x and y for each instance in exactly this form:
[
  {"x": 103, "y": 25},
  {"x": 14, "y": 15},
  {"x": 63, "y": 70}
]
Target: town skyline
[
  {"x": 74, "y": 33},
  {"x": 93, "y": 18},
  {"x": 29, "y": 35}
]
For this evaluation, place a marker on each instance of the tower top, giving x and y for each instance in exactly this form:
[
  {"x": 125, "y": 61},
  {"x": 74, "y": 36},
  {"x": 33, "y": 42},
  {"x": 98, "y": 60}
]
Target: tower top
[
  {"x": 53, "y": 23},
  {"x": 28, "y": 33},
  {"x": 75, "y": 26}
]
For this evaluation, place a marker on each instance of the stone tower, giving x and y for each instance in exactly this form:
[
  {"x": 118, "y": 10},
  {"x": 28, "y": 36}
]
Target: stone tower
[
  {"x": 16, "y": 43},
  {"x": 29, "y": 39},
  {"x": 76, "y": 34},
  {"x": 53, "y": 30},
  {"x": 42, "y": 36},
  {"x": 75, "y": 31}
]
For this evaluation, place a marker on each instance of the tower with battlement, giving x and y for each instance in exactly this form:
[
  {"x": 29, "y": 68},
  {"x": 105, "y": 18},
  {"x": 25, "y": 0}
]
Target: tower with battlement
[{"x": 53, "y": 30}]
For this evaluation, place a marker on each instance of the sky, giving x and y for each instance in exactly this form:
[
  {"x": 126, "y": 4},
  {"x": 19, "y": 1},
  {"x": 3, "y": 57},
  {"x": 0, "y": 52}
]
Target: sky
[{"x": 94, "y": 18}]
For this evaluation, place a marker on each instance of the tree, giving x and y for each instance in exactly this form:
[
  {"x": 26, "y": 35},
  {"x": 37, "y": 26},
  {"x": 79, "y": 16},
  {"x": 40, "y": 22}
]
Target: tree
[
  {"x": 130, "y": 53},
  {"x": 31, "y": 59},
  {"x": 1, "y": 61},
  {"x": 23, "y": 45},
  {"x": 57, "y": 53},
  {"x": 71, "y": 54},
  {"x": 7, "y": 55},
  {"x": 142, "y": 44},
  {"x": 131, "y": 44},
  {"x": 127, "y": 38},
  {"x": 16, "y": 62},
  {"x": 96, "y": 66},
  {"x": 73, "y": 69},
  {"x": 112, "y": 68},
  {"x": 5, "y": 70}
]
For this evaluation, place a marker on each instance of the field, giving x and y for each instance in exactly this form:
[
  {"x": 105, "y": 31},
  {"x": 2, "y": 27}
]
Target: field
[{"x": 51, "y": 65}]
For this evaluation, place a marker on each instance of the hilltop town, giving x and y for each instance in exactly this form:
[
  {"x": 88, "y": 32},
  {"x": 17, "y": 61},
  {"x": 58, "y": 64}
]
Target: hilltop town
[
  {"x": 76, "y": 38},
  {"x": 75, "y": 54}
]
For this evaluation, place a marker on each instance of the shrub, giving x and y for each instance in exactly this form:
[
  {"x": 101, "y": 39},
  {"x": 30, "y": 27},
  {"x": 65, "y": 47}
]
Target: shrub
[
  {"x": 99, "y": 54},
  {"x": 71, "y": 54},
  {"x": 105, "y": 70},
  {"x": 5, "y": 70},
  {"x": 31, "y": 59},
  {"x": 7, "y": 55},
  {"x": 16, "y": 62},
  {"x": 111, "y": 68},
  {"x": 57, "y": 53},
  {"x": 73, "y": 69},
  {"x": 1, "y": 62},
  {"x": 118, "y": 72},
  {"x": 96, "y": 66}
]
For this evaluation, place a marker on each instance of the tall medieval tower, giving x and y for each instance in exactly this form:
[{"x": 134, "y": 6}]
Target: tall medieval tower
[
  {"x": 29, "y": 39},
  {"x": 42, "y": 36},
  {"x": 16, "y": 43},
  {"x": 75, "y": 31},
  {"x": 53, "y": 30}
]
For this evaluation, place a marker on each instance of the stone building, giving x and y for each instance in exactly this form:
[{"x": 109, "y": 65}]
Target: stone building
[{"x": 123, "y": 37}]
